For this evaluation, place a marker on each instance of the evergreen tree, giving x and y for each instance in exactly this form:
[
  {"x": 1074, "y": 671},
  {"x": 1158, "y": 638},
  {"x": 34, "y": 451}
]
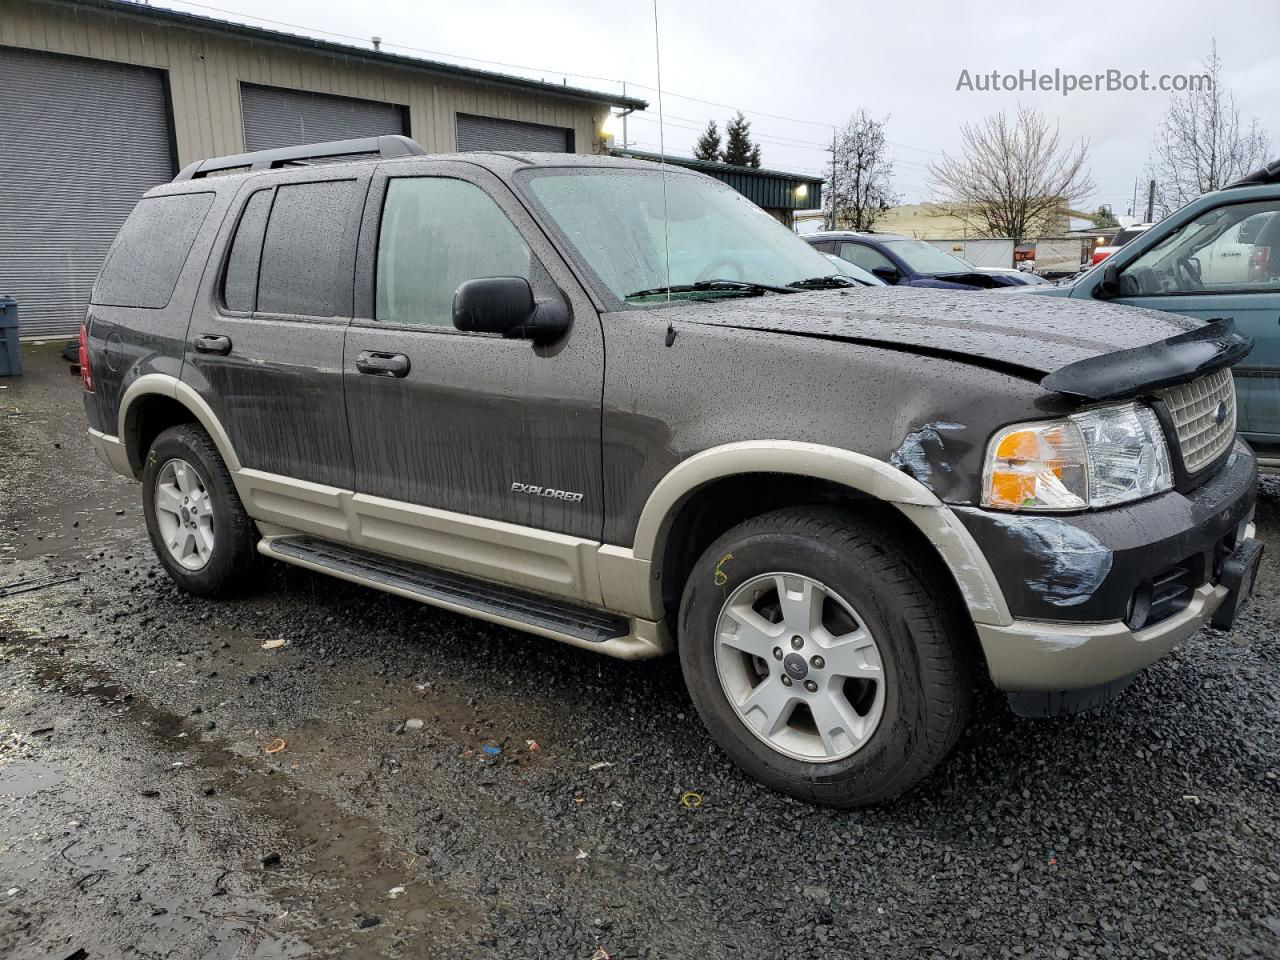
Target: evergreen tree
[
  {"x": 739, "y": 149},
  {"x": 708, "y": 145}
]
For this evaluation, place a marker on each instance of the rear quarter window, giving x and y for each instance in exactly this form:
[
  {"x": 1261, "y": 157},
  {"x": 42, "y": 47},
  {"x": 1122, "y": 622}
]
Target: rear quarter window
[{"x": 144, "y": 263}]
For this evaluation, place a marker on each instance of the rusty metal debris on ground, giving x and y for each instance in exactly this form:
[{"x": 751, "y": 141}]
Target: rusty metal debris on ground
[
  {"x": 276, "y": 745},
  {"x": 37, "y": 583}
]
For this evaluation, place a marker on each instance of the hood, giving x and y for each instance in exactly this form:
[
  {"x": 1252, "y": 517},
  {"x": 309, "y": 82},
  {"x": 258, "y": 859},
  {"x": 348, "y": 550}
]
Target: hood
[
  {"x": 1031, "y": 336},
  {"x": 977, "y": 278}
]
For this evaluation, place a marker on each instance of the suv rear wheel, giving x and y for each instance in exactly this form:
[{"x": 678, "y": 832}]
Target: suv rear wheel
[
  {"x": 821, "y": 659},
  {"x": 197, "y": 525}
]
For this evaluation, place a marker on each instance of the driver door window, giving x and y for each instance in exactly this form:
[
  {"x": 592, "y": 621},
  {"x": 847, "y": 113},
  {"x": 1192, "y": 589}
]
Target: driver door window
[
  {"x": 865, "y": 257},
  {"x": 1231, "y": 249},
  {"x": 436, "y": 233}
]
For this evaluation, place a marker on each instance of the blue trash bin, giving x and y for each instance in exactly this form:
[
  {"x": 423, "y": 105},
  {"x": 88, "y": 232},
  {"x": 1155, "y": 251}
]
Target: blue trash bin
[{"x": 10, "y": 354}]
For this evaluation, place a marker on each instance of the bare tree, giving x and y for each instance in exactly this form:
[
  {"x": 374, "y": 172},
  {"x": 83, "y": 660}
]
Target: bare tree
[
  {"x": 860, "y": 175},
  {"x": 1013, "y": 176},
  {"x": 1201, "y": 144}
]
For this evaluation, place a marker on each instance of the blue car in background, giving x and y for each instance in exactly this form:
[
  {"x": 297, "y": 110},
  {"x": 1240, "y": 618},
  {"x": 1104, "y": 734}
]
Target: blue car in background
[
  {"x": 903, "y": 261},
  {"x": 1217, "y": 257}
]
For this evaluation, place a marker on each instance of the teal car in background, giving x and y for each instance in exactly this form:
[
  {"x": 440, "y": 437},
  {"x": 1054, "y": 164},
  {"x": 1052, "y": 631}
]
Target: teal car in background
[{"x": 1217, "y": 257}]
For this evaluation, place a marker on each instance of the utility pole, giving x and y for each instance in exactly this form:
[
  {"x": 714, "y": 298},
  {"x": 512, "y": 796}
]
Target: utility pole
[
  {"x": 1151, "y": 201},
  {"x": 624, "y": 117},
  {"x": 832, "y": 197},
  {"x": 1133, "y": 204}
]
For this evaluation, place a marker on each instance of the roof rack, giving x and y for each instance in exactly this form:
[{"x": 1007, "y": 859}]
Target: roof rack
[
  {"x": 385, "y": 147},
  {"x": 1259, "y": 178}
]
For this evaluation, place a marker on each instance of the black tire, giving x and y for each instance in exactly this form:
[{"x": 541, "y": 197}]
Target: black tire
[
  {"x": 920, "y": 632},
  {"x": 234, "y": 558}
]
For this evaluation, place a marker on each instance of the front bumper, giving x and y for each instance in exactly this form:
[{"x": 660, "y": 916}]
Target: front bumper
[
  {"x": 1084, "y": 590},
  {"x": 1087, "y": 567},
  {"x": 1028, "y": 656}
]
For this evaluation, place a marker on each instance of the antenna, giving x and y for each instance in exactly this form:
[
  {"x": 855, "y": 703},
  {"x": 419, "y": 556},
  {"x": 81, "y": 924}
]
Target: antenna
[{"x": 662, "y": 161}]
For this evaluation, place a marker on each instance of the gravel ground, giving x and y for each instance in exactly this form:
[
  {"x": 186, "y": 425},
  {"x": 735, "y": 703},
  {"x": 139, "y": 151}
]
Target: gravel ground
[{"x": 143, "y": 814}]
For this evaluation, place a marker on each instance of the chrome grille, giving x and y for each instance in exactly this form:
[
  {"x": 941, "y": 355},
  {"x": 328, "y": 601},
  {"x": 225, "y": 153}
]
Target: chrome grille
[{"x": 1203, "y": 432}]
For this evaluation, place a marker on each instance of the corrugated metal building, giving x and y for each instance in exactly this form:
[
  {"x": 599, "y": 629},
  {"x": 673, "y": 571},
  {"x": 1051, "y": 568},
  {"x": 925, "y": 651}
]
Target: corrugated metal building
[
  {"x": 102, "y": 99},
  {"x": 780, "y": 194}
]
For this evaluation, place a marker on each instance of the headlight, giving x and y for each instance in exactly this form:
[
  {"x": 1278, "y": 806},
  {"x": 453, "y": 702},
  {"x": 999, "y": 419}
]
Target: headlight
[{"x": 1097, "y": 458}]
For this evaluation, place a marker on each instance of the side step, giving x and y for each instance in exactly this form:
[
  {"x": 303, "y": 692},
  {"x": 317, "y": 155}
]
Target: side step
[{"x": 528, "y": 611}]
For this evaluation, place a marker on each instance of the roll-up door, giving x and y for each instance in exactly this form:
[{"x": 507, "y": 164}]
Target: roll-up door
[
  {"x": 274, "y": 117},
  {"x": 80, "y": 142},
  {"x": 490, "y": 133}
]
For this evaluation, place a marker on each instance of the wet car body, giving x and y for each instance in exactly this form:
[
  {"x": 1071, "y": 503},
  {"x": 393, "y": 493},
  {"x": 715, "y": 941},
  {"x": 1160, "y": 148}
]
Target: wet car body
[{"x": 571, "y": 474}]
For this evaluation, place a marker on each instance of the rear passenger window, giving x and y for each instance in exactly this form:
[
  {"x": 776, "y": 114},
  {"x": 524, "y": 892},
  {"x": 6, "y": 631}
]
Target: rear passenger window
[
  {"x": 240, "y": 285},
  {"x": 864, "y": 256},
  {"x": 143, "y": 266},
  {"x": 435, "y": 234},
  {"x": 302, "y": 271}
]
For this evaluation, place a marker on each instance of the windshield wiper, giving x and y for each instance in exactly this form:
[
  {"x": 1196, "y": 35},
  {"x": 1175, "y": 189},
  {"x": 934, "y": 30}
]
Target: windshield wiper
[
  {"x": 746, "y": 286},
  {"x": 828, "y": 282}
]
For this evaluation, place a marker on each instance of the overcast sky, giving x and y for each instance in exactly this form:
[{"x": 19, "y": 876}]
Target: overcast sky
[{"x": 819, "y": 61}]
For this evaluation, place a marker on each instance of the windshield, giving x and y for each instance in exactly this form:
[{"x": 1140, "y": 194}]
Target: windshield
[
  {"x": 924, "y": 257},
  {"x": 613, "y": 218}
]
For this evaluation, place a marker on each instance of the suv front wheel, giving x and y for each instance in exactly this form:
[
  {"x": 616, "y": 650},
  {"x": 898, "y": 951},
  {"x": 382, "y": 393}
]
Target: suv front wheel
[
  {"x": 197, "y": 525},
  {"x": 821, "y": 659}
]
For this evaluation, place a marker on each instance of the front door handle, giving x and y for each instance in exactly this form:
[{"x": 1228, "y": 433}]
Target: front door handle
[
  {"x": 211, "y": 343},
  {"x": 382, "y": 364}
]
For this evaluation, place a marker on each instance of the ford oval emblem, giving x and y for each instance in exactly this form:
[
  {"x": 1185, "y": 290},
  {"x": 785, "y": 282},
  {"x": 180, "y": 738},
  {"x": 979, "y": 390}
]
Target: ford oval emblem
[{"x": 1220, "y": 415}]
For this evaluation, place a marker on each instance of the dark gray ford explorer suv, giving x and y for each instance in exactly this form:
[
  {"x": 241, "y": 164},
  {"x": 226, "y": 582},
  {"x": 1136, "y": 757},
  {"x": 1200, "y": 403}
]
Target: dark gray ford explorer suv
[{"x": 479, "y": 381}]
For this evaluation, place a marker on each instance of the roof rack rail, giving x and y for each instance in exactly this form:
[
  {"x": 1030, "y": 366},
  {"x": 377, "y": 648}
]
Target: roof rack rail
[
  {"x": 1260, "y": 177},
  {"x": 385, "y": 147}
]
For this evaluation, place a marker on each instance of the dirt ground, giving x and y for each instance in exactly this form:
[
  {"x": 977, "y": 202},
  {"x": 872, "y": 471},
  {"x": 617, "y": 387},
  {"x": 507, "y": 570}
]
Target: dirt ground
[{"x": 174, "y": 783}]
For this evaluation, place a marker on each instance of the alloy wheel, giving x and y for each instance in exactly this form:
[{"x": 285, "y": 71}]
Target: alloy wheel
[
  {"x": 800, "y": 667},
  {"x": 184, "y": 514}
]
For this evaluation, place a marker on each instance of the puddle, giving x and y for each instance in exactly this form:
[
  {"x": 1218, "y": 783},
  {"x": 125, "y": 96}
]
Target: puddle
[
  {"x": 334, "y": 867},
  {"x": 22, "y": 778}
]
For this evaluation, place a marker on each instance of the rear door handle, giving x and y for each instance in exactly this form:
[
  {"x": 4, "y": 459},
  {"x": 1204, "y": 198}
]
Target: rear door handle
[
  {"x": 382, "y": 364},
  {"x": 211, "y": 343}
]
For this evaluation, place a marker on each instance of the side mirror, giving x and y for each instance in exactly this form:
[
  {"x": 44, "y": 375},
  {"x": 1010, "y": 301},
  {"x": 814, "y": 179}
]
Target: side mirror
[
  {"x": 887, "y": 274},
  {"x": 505, "y": 305},
  {"x": 1109, "y": 285}
]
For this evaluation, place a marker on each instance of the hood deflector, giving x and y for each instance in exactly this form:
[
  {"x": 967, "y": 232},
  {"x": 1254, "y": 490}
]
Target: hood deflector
[{"x": 1124, "y": 374}]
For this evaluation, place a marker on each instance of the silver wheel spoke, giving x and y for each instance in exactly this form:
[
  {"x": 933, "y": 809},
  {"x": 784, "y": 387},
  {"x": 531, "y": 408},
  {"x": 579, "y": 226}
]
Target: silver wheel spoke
[
  {"x": 769, "y": 706},
  {"x": 853, "y": 655},
  {"x": 168, "y": 498},
  {"x": 801, "y": 600},
  {"x": 838, "y": 725},
  {"x": 744, "y": 629},
  {"x": 184, "y": 476},
  {"x": 203, "y": 536}
]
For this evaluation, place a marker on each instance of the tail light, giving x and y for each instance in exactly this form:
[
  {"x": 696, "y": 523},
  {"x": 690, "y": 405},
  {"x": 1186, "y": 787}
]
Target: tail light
[
  {"x": 1099, "y": 256},
  {"x": 1260, "y": 264},
  {"x": 86, "y": 372}
]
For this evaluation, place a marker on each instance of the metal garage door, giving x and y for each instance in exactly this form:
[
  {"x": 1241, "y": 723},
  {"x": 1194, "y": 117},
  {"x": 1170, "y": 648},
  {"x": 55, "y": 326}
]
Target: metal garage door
[
  {"x": 80, "y": 142},
  {"x": 281, "y": 118},
  {"x": 490, "y": 133}
]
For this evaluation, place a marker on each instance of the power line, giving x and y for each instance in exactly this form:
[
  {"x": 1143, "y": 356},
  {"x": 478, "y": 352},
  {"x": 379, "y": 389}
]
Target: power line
[{"x": 531, "y": 69}]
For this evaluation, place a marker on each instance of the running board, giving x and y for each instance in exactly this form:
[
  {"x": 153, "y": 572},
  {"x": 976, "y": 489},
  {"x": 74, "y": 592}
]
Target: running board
[{"x": 545, "y": 616}]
